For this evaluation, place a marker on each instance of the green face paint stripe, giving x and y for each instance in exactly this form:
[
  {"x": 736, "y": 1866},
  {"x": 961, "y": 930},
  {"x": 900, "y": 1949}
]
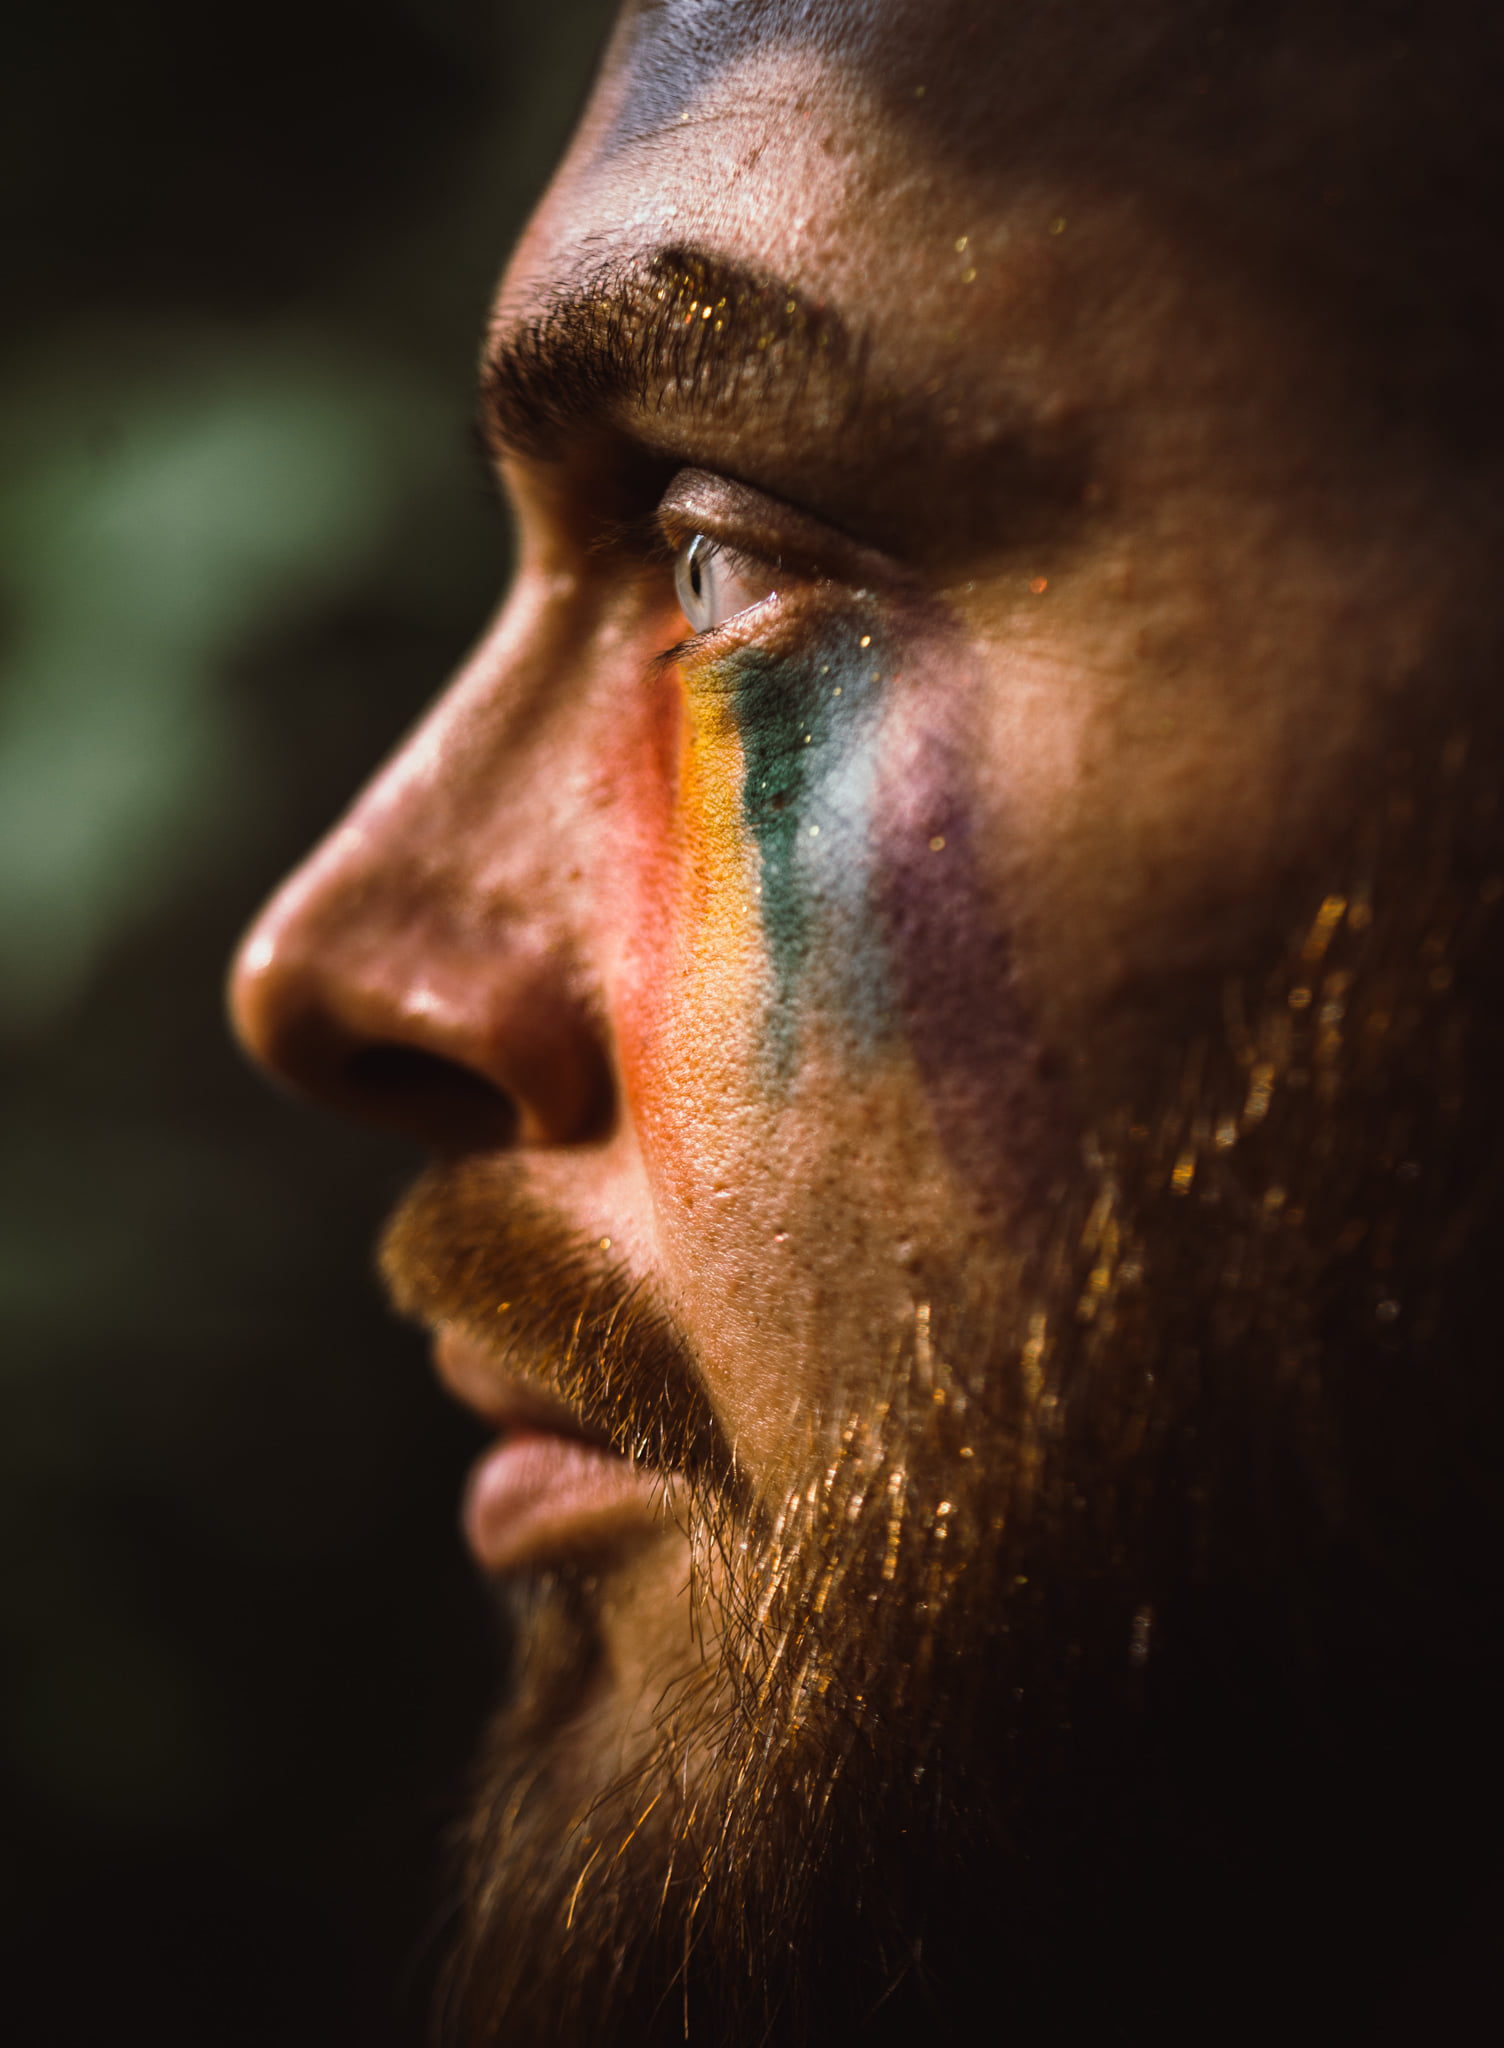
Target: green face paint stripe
[
  {"x": 778, "y": 743},
  {"x": 807, "y": 732}
]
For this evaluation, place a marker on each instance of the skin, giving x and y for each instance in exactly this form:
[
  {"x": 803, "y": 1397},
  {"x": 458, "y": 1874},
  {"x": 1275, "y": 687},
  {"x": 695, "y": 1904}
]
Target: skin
[
  {"x": 545, "y": 888},
  {"x": 803, "y": 1026}
]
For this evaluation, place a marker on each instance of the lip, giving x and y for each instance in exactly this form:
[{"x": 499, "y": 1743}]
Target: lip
[
  {"x": 535, "y": 1498},
  {"x": 549, "y": 1489}
]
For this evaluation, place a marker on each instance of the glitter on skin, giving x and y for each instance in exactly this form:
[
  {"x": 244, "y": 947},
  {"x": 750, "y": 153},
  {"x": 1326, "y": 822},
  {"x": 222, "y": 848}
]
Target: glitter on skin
[
  {"x": 807, "y": 777},
  {"x": 809, "y": 821}
]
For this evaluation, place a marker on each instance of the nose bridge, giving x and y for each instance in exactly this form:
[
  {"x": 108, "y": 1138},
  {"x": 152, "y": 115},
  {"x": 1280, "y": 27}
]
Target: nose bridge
[{"x": 428, "y": 965}]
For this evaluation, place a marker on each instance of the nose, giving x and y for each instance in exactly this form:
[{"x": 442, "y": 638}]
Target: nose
[{"x": 427, "y": 968}]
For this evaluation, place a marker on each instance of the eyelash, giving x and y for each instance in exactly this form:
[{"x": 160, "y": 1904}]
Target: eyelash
[
  {"x": 811, "y": 569},
  {"x": 673, "y": 538},
  {"x": 656, "y": 539}
]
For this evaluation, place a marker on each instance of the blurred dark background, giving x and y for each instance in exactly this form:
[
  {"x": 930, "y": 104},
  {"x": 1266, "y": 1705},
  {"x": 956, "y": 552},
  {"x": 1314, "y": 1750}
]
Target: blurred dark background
[{"x": 244, "y": 535}]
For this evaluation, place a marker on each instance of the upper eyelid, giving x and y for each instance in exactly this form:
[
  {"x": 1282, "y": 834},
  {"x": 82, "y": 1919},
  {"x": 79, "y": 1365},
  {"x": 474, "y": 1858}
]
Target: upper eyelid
[{"x": 761, "y": 529}]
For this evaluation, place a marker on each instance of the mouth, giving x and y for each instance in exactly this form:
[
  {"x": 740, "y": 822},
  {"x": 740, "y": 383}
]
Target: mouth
[{"x": 548, "y": 1490}]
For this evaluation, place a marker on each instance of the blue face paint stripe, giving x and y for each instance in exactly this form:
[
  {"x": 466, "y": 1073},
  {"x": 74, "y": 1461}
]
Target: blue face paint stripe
[{"x": 809, "y": 727}]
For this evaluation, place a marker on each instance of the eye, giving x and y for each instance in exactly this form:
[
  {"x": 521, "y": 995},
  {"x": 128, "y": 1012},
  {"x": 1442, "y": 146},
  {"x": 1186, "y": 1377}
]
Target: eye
[{"x": 714, "y": 584}]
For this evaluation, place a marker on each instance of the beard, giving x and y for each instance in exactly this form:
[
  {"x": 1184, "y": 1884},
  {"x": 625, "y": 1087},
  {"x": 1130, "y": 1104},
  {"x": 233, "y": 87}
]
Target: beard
[{"x": 1131, "y": 1632}]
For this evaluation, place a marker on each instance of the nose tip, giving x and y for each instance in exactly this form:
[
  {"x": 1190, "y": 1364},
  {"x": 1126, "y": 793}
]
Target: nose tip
[{"x": 400, "y": 1022}]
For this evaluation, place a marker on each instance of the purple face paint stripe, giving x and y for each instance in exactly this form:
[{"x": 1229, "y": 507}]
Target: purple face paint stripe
[
  {"x": 874, "y": 903},
  {"x": 951, "y": 966}
]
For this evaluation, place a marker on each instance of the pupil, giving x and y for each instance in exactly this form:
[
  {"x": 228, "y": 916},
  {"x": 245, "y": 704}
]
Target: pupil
[{"x": 696, "y": 574}]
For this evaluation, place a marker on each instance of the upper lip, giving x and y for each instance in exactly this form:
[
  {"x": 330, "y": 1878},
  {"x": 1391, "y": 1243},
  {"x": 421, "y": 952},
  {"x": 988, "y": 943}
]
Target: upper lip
[{"x": 499, "y": 1399}]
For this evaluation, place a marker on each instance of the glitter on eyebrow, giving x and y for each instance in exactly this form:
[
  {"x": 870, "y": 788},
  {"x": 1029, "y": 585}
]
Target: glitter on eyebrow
[
  {"x": 969, "y": 276},
  {"x": 605, "y": 1244},
  {"x": 937, "y": 844},
  {"x": 1057, "y": 227},
  {"x": 1039, "y": 585},
  {"x": 961, "y": 241},
  {"x": 668, "y": 327},
  {"x": 866, "y": 640}
]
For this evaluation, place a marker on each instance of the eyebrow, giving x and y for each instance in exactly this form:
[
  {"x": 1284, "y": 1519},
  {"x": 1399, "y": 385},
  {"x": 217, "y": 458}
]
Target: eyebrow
[{"x": 671, "y": 332}]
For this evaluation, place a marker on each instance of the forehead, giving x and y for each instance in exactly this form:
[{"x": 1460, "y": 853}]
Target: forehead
[
  {"x": 714, "y": 113},
  {"x": 1354, "y": 147},
  {"x": 855, "y": 139},
  {"x": 668, "y": 52},
  {"x": 983, "y": 269},
  {"x": 1036, "y": 220}
]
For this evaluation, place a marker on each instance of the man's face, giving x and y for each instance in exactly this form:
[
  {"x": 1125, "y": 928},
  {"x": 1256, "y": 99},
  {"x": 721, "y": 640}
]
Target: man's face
[{"x": 964, "y": 614}]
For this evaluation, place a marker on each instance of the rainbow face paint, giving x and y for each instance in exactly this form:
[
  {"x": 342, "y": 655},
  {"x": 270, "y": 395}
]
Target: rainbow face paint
[
  {"x": 796, "y": 734},
  {"x": 833, "y": 872}
]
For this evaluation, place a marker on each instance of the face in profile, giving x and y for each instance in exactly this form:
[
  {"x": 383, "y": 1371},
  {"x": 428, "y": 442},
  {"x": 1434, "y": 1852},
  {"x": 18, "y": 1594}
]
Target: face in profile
[{"x": 940, "y": 949}]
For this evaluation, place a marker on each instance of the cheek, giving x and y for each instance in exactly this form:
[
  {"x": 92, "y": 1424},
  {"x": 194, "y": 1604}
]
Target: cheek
[
  {"x": 694, "y": 983},
  {"x": 936, "y": 899},
  {"x": 818, "y": 915}
]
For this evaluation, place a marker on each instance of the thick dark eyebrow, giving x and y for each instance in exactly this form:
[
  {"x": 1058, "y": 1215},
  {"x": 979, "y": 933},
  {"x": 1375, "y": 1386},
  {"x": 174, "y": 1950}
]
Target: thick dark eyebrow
[{"x": 672, "y": 332}]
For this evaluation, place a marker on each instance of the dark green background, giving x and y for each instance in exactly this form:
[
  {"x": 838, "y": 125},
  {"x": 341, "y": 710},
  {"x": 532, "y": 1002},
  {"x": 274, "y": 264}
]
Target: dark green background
[{"x": 243, "y": 536}]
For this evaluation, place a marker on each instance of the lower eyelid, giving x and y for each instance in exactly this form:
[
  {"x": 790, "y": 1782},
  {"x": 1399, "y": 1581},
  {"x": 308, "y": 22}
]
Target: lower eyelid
[
  {"x": 782, "y": 625},
  {"x": 718, "y": 643},
  {"x": 757, "y": 596}
]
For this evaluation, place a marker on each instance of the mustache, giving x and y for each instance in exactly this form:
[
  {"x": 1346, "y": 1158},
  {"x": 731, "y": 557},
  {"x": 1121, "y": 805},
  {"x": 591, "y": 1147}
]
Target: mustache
[{"x": 470, "y": 1246}]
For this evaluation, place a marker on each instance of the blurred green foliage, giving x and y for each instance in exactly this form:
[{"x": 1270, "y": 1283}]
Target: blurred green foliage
[
  {"x": 152, "y": 528},
  {"x": 243, "y": 537}
]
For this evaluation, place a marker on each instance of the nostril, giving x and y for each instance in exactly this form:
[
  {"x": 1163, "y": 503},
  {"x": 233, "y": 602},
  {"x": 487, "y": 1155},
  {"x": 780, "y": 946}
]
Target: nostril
[{"x": 438, "y": 1099}]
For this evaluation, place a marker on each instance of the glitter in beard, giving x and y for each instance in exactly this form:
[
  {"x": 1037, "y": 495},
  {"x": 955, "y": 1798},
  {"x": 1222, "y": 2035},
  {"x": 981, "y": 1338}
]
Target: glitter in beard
[{"x": 930, "y": 1727}]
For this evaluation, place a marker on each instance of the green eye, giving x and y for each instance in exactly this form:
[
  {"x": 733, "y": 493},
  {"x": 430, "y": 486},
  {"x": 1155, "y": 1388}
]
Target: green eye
[
  {"x": 713, "y": 584},
  {"x": 694, "y": 580}
]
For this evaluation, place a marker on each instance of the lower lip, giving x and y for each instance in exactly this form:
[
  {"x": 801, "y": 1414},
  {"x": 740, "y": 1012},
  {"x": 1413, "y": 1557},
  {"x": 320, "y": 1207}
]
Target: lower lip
[{"x": 537, "y": 1499}]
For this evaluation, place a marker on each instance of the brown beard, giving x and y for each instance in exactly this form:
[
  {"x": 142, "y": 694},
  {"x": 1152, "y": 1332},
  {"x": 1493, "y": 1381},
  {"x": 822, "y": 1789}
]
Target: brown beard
[{"x": 1066, "y": 1676}]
